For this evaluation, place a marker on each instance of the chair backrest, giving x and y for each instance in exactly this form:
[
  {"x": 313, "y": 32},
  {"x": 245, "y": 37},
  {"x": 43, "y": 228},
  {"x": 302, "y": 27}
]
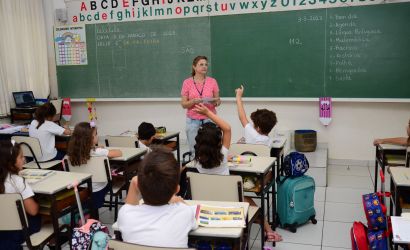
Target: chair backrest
[
  {"x": 215, "y": 187},
  {"x": 10, "y": 214},
  {"x": 98, "y": 166},
  {"x": 30, "y": 146},
  {"x": 58, "y": 104},
  {"x": 255, "y": 149},
  {"x": 121, "y": 141},
  {"x": 119, "y": 245}
]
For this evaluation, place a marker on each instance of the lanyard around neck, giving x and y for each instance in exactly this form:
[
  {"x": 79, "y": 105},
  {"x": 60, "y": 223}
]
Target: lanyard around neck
[{"x": 203, "y": 86}]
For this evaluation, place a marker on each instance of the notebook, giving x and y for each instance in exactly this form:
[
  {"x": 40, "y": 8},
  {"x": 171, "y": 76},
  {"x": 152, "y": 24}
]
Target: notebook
[{"x": 24, "y": 99}]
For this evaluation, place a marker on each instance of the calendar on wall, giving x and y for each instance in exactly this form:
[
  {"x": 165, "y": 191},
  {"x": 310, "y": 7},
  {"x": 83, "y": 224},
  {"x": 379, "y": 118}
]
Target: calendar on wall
[{"x": 70, "y": 45}]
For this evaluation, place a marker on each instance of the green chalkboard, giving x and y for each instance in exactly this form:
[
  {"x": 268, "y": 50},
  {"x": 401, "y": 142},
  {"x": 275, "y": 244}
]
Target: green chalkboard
[
  {"x": 350, "y": 52},
  {"x": 136, "y": 59}
]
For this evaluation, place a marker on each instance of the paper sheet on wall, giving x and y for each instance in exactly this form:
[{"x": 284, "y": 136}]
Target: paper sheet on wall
[{"x": 70, "y": 45}]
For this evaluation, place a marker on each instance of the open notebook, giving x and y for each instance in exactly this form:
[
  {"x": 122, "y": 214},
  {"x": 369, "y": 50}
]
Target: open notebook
[{"x": 214, "y": 216}]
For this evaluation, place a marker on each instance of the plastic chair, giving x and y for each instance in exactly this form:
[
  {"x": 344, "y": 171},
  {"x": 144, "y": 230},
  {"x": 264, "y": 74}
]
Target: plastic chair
[
  {"x": 13, "y": 217},
  {"x": 31, "y": 147},
  {"x": 252, "y": 149},
  {"x": 121, "y": 141},
  {"x": 99, "y": 167},
  {"x": 58, "y": 104}
]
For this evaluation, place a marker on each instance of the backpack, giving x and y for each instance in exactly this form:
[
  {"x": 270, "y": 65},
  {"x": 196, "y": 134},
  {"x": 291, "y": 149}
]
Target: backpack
[
  {"x": 295, "y": 164},
  {"x": 377, "y": 240},
  {"x": 83, "y": 237},
  {"x": 375, "y": 212},
  {"x": 358, "y": 235}
]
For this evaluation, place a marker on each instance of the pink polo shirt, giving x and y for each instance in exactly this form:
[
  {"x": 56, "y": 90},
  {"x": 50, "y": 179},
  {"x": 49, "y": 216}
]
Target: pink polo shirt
[{"x": 208, "y": 90}]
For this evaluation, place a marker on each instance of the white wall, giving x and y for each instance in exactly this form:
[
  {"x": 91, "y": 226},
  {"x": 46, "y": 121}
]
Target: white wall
[{"x": 349, "y": 136}]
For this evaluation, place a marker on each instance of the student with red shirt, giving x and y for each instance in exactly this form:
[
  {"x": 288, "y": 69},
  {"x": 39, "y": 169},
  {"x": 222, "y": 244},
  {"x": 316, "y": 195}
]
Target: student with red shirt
[{"x": 199, "y": 88}]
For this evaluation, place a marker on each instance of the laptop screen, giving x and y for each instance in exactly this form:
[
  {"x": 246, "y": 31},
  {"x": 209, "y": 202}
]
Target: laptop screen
[{"x": 24, "y": 99}]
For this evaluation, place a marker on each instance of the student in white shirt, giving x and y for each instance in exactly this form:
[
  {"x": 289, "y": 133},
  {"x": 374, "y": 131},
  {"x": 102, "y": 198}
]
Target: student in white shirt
[
  {"x": 164, "y": 220},
  {"x": 80, "y": 149},
  {"x": 211, "y": 154},
  {"x": 11, "y": 162},
  {"x": 44, "y": 129},
  {"x": 263, "y": 122},
  {"x": 146, "y": 134}
]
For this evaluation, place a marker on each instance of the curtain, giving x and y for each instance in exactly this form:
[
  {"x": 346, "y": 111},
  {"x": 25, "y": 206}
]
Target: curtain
[{"x": 23, "y": 50}]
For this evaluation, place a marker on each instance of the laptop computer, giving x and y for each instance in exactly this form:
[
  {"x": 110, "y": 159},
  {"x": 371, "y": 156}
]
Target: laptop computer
[{"x": 24, "y": 99}]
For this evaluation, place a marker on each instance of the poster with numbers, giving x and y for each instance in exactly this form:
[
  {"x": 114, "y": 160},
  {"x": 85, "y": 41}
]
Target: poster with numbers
[{"x": 70, "y": 45}]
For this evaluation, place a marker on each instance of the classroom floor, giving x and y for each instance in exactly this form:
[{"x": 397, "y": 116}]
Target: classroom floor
[{"x": 337, "y": 206}]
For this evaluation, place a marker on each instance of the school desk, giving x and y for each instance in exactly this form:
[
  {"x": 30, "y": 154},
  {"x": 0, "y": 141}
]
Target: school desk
[
  {"x": 235, "y": 235},
  {"x": 401, "y": 230},
  {"x": 399, "y": 187},
  {"x": 278, "y": 151},
  {"x": 61, "y": 141},
  {"x": 56, "y": 184},
  {"x": 260, "y": 167},
  {"x": 381, "y": 160},
  {"x": 22, "y": 114},
  {"x": 166, "y": 138},
  {"x": 128, "y": 159}
]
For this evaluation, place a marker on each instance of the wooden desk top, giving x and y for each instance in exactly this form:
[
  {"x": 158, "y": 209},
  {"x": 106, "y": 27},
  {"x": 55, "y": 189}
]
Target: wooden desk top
[
  {"x": 259, "y": 164},
  {"x": 58, "y": 181},
  {"x": 128, "y": 153}
]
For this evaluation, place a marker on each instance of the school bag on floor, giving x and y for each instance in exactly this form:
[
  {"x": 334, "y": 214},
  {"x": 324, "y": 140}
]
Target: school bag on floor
[
  {"x": 358, "y": 236},
  {"x": 92, "y": 234},
  {"x": 295, "y": 203}
]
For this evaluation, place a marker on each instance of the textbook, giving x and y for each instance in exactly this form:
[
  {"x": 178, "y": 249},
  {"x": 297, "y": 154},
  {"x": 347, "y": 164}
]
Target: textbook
[
  {"x": 240, "y": 161},
  {"x": 214, "y": 216},
  {"x": 32, "y": 176}
]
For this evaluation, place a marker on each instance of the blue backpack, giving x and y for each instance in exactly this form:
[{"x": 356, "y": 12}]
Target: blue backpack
[{"x": 295, "y": 164}]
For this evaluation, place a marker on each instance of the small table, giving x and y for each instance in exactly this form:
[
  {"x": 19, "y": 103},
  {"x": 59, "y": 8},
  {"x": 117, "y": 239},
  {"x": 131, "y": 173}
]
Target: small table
[
  {"x": 129, "y": 155},
  {"x": 26, "y": 114},
  {"x": 399, "y": 184},
  {"x": 163, "y": 138},
  {"x": 381, "y": 160},
  {"x": 230, "y": 234},
  {"x": 57, "y": 183},
  {"x": 260, "y": 168},
  {"x": 278, "y": 151}
]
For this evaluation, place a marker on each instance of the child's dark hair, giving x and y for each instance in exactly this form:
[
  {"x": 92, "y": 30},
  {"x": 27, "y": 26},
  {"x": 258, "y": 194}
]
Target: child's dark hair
[
  {"x": 195, "y": 62},
  {"x": 158, "y": 177},
  {"x": 80, "y": 144},
  {"x": 208, "y": 145},
  {"x": 43, "y": 112},
  {"x": 264, "y": 119},
  {"x": 146, "y": 131},
  {"x": 8, "y": 157}
]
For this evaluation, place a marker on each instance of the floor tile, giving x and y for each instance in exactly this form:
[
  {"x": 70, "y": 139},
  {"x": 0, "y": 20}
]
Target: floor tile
[
  {"x": 360, "y": 182},
  {"x": 320, "y": 193},
  {"x": 286, "y": 246},
  {"x": 309, "y": 234},
  {"x": 255, "y": 229},
  {"x": 347, "y": 170},
  {"x": 320, "y": 209},
  {"x": 333, "y": 248},
  {"x": 344, "y": 212},
  {"x": 336, "y": 234},
  {"x": 346, "y": 195}
]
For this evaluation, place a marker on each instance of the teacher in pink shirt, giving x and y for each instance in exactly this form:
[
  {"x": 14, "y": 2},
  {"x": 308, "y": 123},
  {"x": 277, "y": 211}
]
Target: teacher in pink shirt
[{"x": 199, "y": 88}]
